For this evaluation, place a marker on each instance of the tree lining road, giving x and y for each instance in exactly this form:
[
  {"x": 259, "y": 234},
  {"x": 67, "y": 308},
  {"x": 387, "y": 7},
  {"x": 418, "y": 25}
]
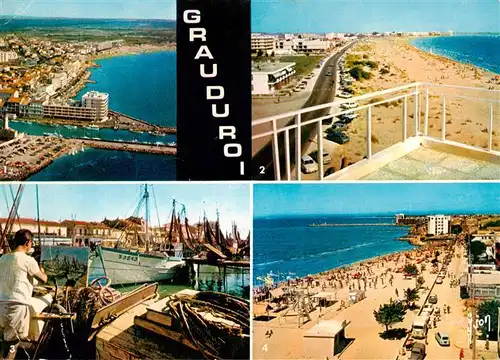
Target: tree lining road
[{"x": 322, "y": 93}]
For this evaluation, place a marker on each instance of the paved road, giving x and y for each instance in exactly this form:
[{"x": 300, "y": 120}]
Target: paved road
[{"x": 323, "y": 92}]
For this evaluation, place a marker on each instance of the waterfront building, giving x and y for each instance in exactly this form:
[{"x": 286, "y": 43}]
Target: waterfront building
[
  {"x": 264, "y": 43},
  {"x": 46, "y": 227},
  {"x": 438, "y": 224},
  {"x": 269, "y": 77},
  {"x": 84, "y": 232},
  {"x": 98, "y": 101},
  {"x": 6, "y": 56},
  {"x": 399, "y": 218},
  {"x": 35, "y": 108},
  {"x": 70, "y": 112}
]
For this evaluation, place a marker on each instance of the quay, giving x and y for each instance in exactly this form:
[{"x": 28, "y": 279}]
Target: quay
[
  {"x": 130, "y": 146},
  {"x": 123, "y": 118}
]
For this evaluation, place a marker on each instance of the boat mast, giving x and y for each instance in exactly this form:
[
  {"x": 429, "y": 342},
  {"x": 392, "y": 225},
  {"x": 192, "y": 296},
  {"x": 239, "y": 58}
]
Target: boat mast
[{"x": 146, "y": 199}]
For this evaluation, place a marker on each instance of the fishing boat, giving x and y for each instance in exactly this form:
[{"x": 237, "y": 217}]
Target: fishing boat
[
  {"x": 159, "y": 262},
  {"x": 172, "y": 144},
  {"x": 92, "y": 127},
  {"x": 137, "y": 131},
  {"x": 70, "y": 126}
]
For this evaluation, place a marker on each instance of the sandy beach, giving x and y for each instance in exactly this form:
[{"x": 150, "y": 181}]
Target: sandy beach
[
  {"x": 132, "y": 50},
  {"x": 466, "y": 120},
  {"x": 382, "y": 279}
]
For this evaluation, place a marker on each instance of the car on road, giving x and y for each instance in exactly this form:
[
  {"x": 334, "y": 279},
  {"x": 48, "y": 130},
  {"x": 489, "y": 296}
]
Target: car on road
[
  {"x": 433, "y": 299},
  {"x": 428, "y": 308},
  {"x": 349, "y": 105},
  {"x": 308, "y": 165},
  {"x": 344, "y": 95},
  {"x": 338, "y": 137},
  {"x": 439, "y": 280},
  {"x": 329, "y": 73},
  {"x": 326, "y": 157},
  {"x": 443, "y": 338},
  {"x": 347, "y": 118},
  {"x": 339, "y": 125},
  {"x": 417, "y": 351}
]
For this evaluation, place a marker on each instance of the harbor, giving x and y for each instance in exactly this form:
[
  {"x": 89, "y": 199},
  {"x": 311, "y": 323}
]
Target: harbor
[
  {"x": 26, "y": 155},
  {"x": 129, "y": 287}
]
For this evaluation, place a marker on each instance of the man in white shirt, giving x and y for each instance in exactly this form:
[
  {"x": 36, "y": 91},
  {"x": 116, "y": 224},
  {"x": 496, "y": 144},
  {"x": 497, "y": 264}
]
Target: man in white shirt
[{"x": 18, "y": 271}]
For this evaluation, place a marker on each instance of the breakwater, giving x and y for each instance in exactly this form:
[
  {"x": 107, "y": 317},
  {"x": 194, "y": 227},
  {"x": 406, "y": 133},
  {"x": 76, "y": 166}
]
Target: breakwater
[{"x": 333, "y": 225}]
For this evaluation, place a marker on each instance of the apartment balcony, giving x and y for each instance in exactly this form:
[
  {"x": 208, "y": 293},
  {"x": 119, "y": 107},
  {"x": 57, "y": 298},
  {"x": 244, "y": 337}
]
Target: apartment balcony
[{"x": 420, "y": 131}]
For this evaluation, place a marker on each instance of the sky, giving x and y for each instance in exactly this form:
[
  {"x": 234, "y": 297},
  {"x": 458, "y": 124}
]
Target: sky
[
  {"x": 320, "y": 16},
  {"x": 102, "y": 9},
  {"x": 389, "y": 198},
  {"x": 95, "y": 202}
]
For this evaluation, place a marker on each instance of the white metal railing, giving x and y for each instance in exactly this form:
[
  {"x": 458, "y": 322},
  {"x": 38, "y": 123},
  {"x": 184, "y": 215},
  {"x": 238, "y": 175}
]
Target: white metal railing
[{"x": 415, "y": 89}]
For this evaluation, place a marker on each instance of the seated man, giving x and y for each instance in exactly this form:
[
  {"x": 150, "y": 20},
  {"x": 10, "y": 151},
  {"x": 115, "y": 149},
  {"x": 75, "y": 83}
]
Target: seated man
[{"x": 18, "y": 271}]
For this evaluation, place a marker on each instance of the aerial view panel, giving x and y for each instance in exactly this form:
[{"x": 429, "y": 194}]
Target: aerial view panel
[
  {"x": 87, "y": 92},
  {"x": 375, "y": 90},
  {"x": 376, "y": 271}
]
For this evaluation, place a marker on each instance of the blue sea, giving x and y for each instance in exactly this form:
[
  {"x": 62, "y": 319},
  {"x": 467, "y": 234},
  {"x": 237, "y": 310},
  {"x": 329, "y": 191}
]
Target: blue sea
[
  {"x": 288, "y": 247},
  {"x": 479, "y": 50},
  {"x": 143, "y": 86}
]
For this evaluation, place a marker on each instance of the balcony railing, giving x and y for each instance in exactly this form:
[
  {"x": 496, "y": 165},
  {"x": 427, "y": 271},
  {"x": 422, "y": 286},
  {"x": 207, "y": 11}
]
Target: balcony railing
[{"x": 281, "y": 138}]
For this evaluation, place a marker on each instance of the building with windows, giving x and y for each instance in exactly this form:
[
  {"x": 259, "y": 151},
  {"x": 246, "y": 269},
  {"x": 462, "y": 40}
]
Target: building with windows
[
  {"x": 269, "y": 77},
  {"x": 46, "y": 227},
  {"x": 6, "y": 56},
  {"x": 438, "y": 224},
  {"x": 98, "y": 101},
  {"x": 70, "y": 112},
  {"x": 264, "y": 43}
]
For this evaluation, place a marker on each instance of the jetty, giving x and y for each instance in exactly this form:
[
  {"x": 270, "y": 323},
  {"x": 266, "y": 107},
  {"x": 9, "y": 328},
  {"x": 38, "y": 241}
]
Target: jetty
[
  {"x": 123, "y": 118},
  {"x": 335, "y": 225},
  {"x": 131, "y": 146}
]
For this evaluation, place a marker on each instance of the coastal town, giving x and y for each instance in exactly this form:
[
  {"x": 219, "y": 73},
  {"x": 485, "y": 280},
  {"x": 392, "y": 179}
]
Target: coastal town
[
  {"x": 39, "y": 79},
  {"x": 437, "y": 301},
  {"x": 338, "y": 82},
  {"x": 119, "y": 285}
]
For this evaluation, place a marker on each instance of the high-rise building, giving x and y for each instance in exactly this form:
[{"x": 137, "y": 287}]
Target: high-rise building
[
  {"x": 98, "y": 101},
  {"x": 438, "y": 224}
]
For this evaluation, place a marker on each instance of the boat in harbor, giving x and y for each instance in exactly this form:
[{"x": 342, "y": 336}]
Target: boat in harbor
[
  {"x": 173, "y": 143},
  {"x": 70, "y": 126},
  {"x": 92, "y": 127},
  {"x": 137, "y": 131},
  {"x": 160, "y": 261}
]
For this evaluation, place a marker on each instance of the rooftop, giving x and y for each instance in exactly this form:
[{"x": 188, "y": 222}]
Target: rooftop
[{"x": 270, "y": 67}]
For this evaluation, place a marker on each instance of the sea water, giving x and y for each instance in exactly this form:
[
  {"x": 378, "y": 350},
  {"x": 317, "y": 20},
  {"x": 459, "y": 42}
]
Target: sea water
[
  {"x": 478, "y": 50},
  {"x": 288, "y": 247}
]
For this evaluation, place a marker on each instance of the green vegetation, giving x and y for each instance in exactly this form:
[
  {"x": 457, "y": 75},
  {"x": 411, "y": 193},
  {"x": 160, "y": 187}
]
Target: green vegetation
[
  {"x": 358, "y": 73},
  {"x": 6, "y": 135},
  {"x": 485, "y": 309},
  {"x": 411, "y": 269},
  {"x": 420, "y": 281},
  {"x": 411, "y": 295},
  {"x": 477, "y": 248},
  {"x": 389, "y": 314},
  {"x": 303, "y": 64},
  {"x": 494, "y": 223}
]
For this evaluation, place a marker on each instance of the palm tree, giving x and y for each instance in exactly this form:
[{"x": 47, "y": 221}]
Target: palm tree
[{"x": 411, "y": 295}]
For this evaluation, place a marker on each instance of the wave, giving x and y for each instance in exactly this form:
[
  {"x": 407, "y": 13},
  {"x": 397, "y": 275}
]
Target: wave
[{"x": 269, "y": 263}]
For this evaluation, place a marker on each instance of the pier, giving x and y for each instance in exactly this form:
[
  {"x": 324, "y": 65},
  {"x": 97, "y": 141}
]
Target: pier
[
  {"x": 334, "y": 225},
  {"x": 130, "y": 146},
  {"x": 121, "y": 118}
]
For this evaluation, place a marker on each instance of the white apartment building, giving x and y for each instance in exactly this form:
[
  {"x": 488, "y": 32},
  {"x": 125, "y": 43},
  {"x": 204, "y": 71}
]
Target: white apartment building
[
  {"x": 6, "y": 56},
  {"x": 98, "y": 101},
  {"x": 269, "y": 77},
  {"x": 60, "y": 81},
  {"x": 303, "y": 46},
  {"x": 438, "y": 224},
  {"x": 70, "y": 112},
  {"x": 264, "y": 43},
  {"x": 46, "y": 227}
]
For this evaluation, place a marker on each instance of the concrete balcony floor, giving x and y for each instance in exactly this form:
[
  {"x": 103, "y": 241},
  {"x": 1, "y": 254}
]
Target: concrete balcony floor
[{"x": 429, "y": 164}]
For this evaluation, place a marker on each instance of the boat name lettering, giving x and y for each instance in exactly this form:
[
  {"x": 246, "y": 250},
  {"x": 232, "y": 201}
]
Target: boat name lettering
[{"x": 127, "y": 257}]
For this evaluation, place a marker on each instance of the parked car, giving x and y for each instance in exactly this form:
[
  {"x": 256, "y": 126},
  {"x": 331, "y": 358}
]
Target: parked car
[
  {"x": 347, "y": 118},
  {"x": 417, "y": 351},
  {"x": 439, "y": 280},
  {"x": 433, "y": 299},
  {"x": 349, "y": 105},
  {"x": 326, "y": 157},
  {"x": 344, "y": 95},
  {"x": 428, "y": 308},
  {"x": 339, "y": 125},
  {"x": 329, "y": 73},
  {"x": 443, "y": 338},
  {"x": 338, "y": 137},
  {"x": 308, "y": 165}
]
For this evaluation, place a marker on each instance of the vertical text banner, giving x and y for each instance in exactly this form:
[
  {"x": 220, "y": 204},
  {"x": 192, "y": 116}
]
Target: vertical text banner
[{"x": 213, "y": 90}]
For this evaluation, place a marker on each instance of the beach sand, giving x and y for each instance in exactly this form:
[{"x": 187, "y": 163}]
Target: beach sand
[
  {"x": 466, "y": 120},
  {"x": 287, "y": 340}
]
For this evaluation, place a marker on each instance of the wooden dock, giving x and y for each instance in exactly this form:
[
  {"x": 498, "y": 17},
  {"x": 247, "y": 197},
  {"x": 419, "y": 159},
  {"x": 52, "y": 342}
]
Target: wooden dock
[{"x": 123, "y": 339}]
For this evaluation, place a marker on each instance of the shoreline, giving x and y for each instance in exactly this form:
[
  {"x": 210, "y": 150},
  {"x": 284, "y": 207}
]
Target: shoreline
[{"x": 443, "y": 57}]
